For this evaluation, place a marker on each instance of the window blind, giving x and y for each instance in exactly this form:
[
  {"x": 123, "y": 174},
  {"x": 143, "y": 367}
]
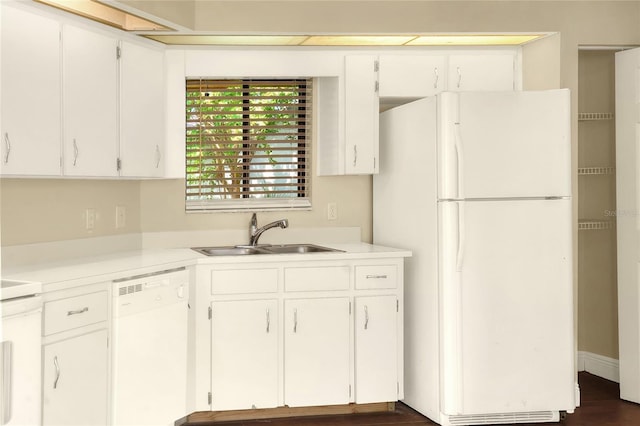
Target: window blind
[{"x": 248, "y": 143}]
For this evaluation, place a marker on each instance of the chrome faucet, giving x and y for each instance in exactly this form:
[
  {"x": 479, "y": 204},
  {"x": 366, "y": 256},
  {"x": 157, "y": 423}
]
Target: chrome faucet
[{"x": 255, "y": 232}]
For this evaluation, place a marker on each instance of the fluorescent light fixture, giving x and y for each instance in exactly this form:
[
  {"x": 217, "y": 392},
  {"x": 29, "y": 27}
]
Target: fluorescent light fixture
[
  {"x": 230, "y": 40},
  {"x": 105, "y": 14},
  {"x": 472, "y": 39},
  {"x": 348, "y": 40},
  {"x": 357, "y": 40}
]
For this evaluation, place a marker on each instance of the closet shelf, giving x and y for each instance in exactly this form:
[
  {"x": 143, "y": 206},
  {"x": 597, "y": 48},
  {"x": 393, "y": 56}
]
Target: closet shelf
[
  {"x": 604, "y": 170},
  {"x": 590, "y": 225},
  {"x": 594, "y": 116}
]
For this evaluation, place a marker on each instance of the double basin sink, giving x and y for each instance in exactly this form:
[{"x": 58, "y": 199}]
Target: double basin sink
[{"x": 263, "y": 249}]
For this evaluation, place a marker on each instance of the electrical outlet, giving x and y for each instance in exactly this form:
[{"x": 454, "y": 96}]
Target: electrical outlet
[
  {"x": 332, "y": 211},
  {"x": 121, "y": 216},
  {"x": 90, "y": 219}
]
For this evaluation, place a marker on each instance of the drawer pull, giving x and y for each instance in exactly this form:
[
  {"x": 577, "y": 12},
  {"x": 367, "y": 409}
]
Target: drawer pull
[
  {"x": 55, "y": 363},
  {"x": 79, "y": 311},
  {"x": 377, "y": 277}
]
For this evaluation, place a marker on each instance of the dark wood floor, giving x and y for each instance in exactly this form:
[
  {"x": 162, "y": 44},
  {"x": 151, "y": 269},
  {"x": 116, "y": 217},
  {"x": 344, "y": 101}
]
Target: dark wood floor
[{"x": 600, "y": 406}]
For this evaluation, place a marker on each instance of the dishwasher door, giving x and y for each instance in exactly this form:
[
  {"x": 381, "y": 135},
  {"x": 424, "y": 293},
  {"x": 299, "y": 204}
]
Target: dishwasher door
[{"x": 150, "y": 349}]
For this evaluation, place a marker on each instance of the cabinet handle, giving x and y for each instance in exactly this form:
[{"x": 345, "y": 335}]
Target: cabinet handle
[
  {"x": 75, "y": 152},
  {"x": 355, "y": 155},
  {"x": 79, "y": 311},
  {"x": 295, "y": 320},
  {"x": 7, "y": 143},
  {"x": 268, "y": 320},
  {"x": 55, "y": 363},
  {"x": 377, "y": 277},
  {"x": 7, "y": 353},
  {"x": 459, "y": 76},
  {"x": 366, "y": 317},
  {"x": 435, "y": 82},
  {"x": 158, "y": 156}
]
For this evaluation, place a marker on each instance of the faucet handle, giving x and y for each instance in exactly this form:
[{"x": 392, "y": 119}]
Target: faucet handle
[{"x": 253, "y": 228}]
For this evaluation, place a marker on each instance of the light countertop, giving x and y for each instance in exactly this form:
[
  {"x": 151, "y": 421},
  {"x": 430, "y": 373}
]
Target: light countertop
[{"x": 85, "y": 270}]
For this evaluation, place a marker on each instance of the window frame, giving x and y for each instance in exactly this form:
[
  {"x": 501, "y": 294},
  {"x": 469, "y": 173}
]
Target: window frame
[{"x": 301, "y": 153}]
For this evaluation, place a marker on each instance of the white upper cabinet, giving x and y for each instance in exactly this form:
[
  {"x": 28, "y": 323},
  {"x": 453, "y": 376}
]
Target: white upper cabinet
[
  {"x": 90, "y": 103},
  {"x": 361, "y": 114},
  {"x": 411, "y": 76},
  {"x": 349, "y": 106},
  {"x": 481, "y": 72},
  {"x": 30, "y": 49},
  {"x": 141, "y": 111}
]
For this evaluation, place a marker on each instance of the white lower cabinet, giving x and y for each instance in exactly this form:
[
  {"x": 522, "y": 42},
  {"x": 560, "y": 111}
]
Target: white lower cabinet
[
  {"x": 244, "y": 354},
  {"x": 75, "y": 381},
  {"x": 297, "y": 333},
  {"x": 316, "y": 352},
  {"x": 75, "y": 356},
  {"x": 376, "y": 354}
]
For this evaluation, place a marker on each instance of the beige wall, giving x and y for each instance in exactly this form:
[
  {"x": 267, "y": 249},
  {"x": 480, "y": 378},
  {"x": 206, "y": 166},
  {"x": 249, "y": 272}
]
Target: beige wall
[
  {"x": 163, "y": 208},
  {"x": 44, "y": 210}
]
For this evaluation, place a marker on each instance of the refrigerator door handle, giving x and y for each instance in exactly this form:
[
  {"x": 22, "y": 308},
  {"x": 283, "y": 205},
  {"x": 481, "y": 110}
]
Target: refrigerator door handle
[
  {"x": 461, "y": 237},
  {"x": 460, "y": 161}
]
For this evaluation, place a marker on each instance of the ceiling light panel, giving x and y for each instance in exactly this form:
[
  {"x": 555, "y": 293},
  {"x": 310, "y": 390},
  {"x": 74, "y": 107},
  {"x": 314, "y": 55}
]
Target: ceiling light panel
[
  {"x": 230, "y": 40},
  {"x": 105, "y": 14},
  {"x": 472, "y": 39},
  {"x": 358, "y": 40}
]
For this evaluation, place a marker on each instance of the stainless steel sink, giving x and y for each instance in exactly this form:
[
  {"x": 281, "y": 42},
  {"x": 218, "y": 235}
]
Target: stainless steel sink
[
  {"x": 263, "y": 249},
  {"x": 299, "y": 248},
  {"x": 228, "y": 251}
]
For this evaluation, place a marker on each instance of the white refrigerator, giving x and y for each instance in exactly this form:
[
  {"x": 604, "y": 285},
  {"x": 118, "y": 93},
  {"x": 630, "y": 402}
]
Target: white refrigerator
[{"x": 478, "y": 186}]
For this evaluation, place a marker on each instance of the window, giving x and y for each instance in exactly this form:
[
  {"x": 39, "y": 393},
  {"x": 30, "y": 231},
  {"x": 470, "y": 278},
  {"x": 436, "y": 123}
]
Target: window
[{"x": 248, "y": 144}]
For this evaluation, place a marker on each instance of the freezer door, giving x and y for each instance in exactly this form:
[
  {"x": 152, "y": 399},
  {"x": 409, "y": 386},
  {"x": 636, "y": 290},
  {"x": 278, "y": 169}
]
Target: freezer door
[
  {"x": 507, "y": 336},
  {"x": 504, "y": 144}
]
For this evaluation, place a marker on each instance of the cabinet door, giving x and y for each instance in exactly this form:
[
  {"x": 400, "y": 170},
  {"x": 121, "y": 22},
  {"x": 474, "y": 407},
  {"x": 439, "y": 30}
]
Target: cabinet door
[
  {"x": 75, "y": 381},
  {"x": 141, "y": 111},
  {"x": 409, "y": 76},
  {"x": 481, "y": 72},
  {"x": 30, "y": 94},
  {"x": 376, "y": 357},
  {"x": 244, "y": 354},
  {"x": 90, "y": 103},
  {"x": 361, "y": 115},
  {"x": 316, "y": 353}
]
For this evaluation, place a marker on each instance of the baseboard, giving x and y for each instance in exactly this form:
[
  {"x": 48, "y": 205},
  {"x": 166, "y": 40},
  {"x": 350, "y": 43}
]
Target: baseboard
[{"x": 598, "y": 365}]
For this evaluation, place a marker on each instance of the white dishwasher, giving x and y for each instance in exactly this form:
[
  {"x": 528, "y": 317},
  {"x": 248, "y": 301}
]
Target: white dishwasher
[{"x": 149, "y": 351}]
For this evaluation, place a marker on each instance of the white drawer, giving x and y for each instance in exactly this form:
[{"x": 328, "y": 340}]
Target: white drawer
[
  {"x": 241, "y": 281},
  {"x": 376, "y": 277},
  {"x": 316, "y": 278},
  {"x": 74, "y": 312}
]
